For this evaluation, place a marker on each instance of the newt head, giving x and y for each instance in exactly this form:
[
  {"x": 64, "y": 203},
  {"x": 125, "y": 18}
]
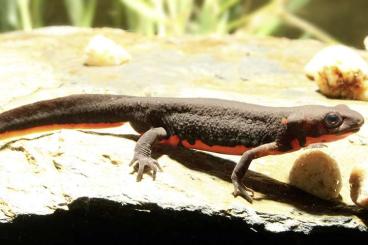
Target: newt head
[
  {"x": 340, "y": 120},
  {"x": 315, "y": 124}
]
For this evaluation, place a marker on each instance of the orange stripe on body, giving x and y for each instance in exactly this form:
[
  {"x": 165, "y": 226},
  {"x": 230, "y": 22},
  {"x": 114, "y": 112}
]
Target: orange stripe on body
[
  {"x": 240, "y": 149},
  {"x": 46, "y": 128},
  {"x": 199, "y": 145},
  {"x": 172, "y": 140},
  {"x": 230, "y": 150}
]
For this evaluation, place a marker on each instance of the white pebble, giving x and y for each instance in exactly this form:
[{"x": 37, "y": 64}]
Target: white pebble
[{"x": 102, "y": 51}]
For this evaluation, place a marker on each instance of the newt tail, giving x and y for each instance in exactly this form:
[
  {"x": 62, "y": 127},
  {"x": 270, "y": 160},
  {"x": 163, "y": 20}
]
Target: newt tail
[{"x": 72, "y": 112}]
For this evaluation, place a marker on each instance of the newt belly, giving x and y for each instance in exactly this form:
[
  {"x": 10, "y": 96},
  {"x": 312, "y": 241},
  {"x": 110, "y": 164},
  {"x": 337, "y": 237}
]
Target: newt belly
[
  {"x": 200, "y": 145},
  {"x": 240, "y": 149},
  {"x": 47, "y": 128}
]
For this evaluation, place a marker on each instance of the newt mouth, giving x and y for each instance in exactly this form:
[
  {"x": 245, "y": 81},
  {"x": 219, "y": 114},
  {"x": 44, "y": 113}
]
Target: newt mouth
[
  {"x": 356, "y": 129},
  {"x": 348, "y": 131}
]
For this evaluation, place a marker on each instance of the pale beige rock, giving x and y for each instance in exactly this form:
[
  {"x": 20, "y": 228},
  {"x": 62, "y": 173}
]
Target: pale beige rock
[
  {"x": 39, "y": 175},
  {"x": 316, "y": 172},
  {"x": 340, "y": 72}
]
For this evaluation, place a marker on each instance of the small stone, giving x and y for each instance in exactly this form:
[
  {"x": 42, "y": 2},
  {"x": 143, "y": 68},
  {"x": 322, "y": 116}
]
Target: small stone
[
  {"x": 102, "y": 51},
  {"x": 359, "y": 185},
  {"x": 366, "y": 42},
  {"x": 339, "y": 72},
  {"x": 316, "y": 173}
]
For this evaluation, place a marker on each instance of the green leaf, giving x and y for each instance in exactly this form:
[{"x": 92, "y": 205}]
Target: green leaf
[
  {"x": 144, "y": 9},
  {"x": 24, "y": 13},
  {"x": 81, "y": 12},
  {"x": 9, "y": 19},
  {"x": 37, "y": 7}
]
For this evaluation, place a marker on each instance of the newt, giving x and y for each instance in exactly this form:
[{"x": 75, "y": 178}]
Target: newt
[{"x": 214, "y": 125}]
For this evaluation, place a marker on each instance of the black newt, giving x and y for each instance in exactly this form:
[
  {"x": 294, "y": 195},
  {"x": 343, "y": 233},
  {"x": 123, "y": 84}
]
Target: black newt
[{"x": 222, "y": 126}]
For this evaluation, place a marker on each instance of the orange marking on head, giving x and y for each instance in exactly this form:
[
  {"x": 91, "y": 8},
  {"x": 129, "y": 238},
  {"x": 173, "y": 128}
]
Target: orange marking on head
[
  {"x": 52, "y": 127},
  {"x": 230, "y": 150}
]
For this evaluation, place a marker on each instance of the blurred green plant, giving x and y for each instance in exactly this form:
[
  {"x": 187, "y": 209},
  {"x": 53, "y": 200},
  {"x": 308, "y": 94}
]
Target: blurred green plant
[
  {"x": 168, "y": 17},
  {"x": 20, "y": 14},
  {"x": 81, "y": 12},
  {"x": 8, "y": 15}
]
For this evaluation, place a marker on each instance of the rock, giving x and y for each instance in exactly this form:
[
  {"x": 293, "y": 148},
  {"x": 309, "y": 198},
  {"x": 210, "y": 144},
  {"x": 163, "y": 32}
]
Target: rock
[
  {"x": 102, "y": 51},
  {"x": 317, "y": 173},
  {"x": 340, "y": 72},
  {"x": 359, "y": 185},
  {"x": 59, "y": 184}
]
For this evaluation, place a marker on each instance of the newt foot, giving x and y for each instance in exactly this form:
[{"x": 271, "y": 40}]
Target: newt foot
[
  {"x": 140, "y": 163},
  {"x": 241, "y": 190}
]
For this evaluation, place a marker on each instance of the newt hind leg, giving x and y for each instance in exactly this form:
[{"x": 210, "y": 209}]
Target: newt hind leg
[{"x": 142, "y": 153}]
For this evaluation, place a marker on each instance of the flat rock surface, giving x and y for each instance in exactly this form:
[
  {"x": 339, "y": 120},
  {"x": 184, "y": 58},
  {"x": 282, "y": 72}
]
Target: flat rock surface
[{"x": 58, "y": 172}]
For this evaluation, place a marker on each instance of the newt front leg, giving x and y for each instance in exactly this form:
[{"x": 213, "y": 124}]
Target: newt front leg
[{"x": 241, "y": 168}]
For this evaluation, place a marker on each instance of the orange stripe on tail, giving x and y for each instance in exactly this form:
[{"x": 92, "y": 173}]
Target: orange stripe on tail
[{"x": 46, "y": 128}]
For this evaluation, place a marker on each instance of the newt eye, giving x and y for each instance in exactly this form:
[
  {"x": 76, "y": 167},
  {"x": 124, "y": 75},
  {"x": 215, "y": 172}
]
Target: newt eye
[{"x": 333, "y": 120}]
